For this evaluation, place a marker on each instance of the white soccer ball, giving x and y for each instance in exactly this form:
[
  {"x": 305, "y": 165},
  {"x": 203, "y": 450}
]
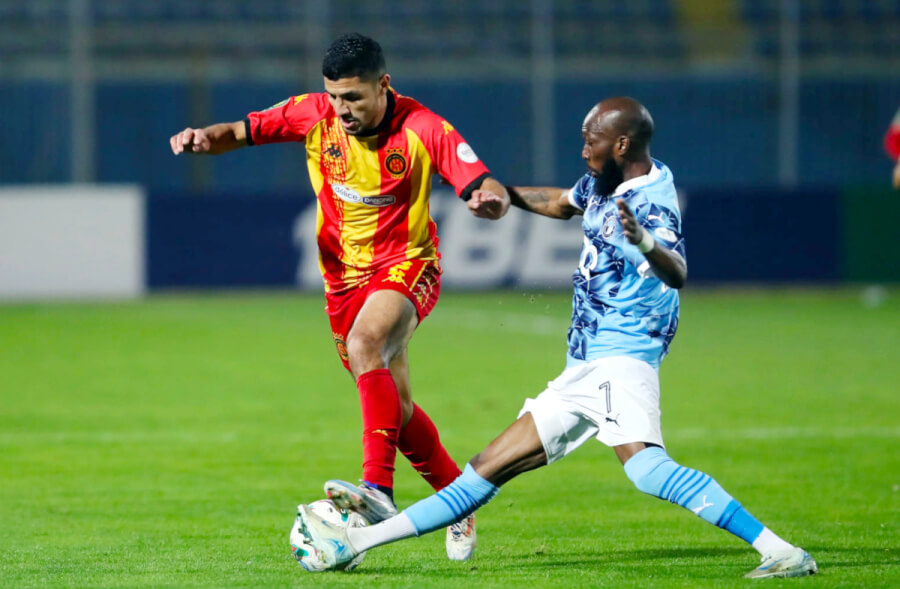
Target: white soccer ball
[{"x": 305, "y": 554}]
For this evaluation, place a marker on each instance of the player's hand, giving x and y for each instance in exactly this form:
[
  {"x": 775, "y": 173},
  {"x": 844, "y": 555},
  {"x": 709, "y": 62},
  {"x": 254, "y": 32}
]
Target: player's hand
[
  {"x": 488, "y": 205},
  {"x": 190, "y": 140},
  {"x": 633, "y": 230}
]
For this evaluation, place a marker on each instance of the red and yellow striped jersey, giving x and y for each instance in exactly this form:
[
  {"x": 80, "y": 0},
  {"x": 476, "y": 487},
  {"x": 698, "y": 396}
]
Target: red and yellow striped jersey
[{"x": 372, "y": 191}]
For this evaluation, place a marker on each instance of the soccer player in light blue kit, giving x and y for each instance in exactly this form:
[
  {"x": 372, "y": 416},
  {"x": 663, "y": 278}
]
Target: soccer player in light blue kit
[{"x": 624, "y": 316}]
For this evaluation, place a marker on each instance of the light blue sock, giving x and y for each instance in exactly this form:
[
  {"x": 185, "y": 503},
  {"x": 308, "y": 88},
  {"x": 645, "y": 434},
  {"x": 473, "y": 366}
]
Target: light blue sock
[
  {"x": 655, "y": 473},
  {"x": 452, "y": 503}
]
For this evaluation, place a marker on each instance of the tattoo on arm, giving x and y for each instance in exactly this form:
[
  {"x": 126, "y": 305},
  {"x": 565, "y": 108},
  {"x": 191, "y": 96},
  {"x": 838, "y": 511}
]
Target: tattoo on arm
[{"x": 530, "y": 200}]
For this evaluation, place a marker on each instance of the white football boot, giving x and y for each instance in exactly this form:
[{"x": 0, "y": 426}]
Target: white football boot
[
  {"x": 793, "y": 562},
  {"x": 461, "y": 539},
  {"x": 331, "y": 547},
  {"x": 306, "y": 555},
  {"x": 367, "y": 501}
]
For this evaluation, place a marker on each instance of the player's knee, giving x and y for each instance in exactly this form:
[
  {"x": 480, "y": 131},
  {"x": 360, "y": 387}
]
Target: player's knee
[
  {"x": 363, "y": 342},
  {"x": 364, "y": 350},
  {"x": 649, "y": 469}
]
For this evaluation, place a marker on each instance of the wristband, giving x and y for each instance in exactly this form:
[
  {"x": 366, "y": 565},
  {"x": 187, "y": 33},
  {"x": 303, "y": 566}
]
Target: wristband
[{"x": 647, "y": 243}]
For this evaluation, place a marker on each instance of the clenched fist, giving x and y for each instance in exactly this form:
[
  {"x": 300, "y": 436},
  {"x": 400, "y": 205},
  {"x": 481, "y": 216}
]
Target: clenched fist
[{"x": 190, "y": 140}]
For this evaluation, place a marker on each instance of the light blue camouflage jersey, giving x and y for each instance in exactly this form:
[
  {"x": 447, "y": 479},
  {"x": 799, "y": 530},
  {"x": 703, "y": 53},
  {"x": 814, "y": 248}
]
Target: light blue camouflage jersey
[{"x": 620, "y": 308}]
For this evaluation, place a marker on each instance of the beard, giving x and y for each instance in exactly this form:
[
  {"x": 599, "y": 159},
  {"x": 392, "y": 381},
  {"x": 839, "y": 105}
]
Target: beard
[{"x": 608, "y": 178}]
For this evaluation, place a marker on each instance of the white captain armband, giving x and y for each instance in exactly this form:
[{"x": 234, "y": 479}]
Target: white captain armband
[{"x": 647, "y": 243}]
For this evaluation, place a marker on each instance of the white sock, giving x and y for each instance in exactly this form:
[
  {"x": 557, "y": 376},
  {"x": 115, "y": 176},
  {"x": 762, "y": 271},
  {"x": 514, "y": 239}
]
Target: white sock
[
  {"x": 768, "y": 542},
  {"x": 390, "y": 530}
]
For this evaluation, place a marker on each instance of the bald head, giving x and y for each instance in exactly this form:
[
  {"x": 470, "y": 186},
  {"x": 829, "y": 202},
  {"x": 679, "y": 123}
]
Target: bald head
[
  {"x": 617, "y": 136},
  {"x": 622, "y": 116}
]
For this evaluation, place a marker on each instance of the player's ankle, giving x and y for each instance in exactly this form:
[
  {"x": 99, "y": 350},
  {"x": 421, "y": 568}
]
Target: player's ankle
[
  {"x": 389, "y": 491},
  {"x": 768, "y": 542}
]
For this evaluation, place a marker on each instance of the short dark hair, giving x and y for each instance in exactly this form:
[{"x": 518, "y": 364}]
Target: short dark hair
[{"x": 353, "y": 55}]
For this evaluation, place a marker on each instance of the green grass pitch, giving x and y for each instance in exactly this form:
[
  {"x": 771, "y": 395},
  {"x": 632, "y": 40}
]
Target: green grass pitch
[{"x": 166, "y": 443}]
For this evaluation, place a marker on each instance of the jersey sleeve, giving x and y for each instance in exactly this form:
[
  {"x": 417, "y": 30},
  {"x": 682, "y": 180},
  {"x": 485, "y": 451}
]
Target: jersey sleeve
[
  {"x": 453, "y": 158},
  {"x": 289, "y": 120},
  {"x": 664, "y": 223},
  {"x": 579, "y": 194}
]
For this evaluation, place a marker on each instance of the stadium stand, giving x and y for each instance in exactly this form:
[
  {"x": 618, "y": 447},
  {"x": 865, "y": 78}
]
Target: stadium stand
[{"x": 713, "y": 63}]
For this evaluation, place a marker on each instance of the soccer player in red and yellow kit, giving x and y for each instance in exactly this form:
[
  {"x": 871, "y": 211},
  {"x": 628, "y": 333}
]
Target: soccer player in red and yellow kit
[
  {"x": 892, "y": 147},
  {"x": 371, "y": 155}
]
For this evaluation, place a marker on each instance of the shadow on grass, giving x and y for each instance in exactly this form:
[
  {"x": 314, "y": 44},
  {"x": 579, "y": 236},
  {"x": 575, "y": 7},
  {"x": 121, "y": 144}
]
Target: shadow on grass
[
  {"x": 629, "y": 559},
  {"x": 702, "y": 566},
  {"x": 620, "y": 560},
  {"x": 854, "y": 556}
]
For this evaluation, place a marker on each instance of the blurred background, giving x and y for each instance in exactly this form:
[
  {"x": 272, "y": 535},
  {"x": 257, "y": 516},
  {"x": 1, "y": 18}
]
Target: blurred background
[{"x": 771, "y": 114}]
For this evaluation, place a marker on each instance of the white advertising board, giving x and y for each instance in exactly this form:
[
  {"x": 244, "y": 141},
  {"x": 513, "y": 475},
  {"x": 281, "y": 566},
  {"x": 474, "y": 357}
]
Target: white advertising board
[{"x": 71, "y": 242}]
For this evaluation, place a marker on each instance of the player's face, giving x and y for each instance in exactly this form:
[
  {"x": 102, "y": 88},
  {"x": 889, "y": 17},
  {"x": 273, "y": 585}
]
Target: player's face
[
  {"x": 597, "y": 146},
  {"x": 597, "y": 150},
  {"x": 598, "y": 153},
  {"x": 600, "y": 144},
  {"x": 359, "y": 104}
]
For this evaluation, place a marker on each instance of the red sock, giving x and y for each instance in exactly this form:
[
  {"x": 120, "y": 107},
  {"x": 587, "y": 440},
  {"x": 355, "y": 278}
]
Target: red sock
[
  {"x": 381, "y": 419},
  {"x": 420, "y": 443}
]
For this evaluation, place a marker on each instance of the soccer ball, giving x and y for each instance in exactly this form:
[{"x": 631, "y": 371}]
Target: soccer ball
[{"x": 328, "y": 511}]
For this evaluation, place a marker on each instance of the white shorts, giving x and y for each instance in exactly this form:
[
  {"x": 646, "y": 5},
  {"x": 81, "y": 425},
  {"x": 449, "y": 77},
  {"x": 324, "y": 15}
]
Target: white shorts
[{"x": 615, "y": 400}]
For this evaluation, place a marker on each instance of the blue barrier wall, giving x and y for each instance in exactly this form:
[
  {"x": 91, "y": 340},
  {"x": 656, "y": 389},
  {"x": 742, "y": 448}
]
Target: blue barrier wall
[
  {"x": 759, "y": 235},
  {"x": 263, "y": 240},
  {"x": 221, "y": 241}
]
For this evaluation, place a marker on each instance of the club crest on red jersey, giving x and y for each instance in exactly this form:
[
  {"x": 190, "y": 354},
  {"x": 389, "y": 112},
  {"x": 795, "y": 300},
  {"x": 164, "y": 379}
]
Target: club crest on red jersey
[{"x": 395, "y": 162}]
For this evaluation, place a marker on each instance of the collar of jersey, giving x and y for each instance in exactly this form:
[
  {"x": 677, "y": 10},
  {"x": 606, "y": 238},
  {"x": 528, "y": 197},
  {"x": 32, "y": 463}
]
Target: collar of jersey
[
  {"x": 386, "y": 121},
  {"x": 648, "y": 178}
]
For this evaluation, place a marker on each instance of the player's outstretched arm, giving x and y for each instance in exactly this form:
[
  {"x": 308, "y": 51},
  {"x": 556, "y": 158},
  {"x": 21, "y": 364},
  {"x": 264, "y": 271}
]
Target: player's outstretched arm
[
  {"x": 666, "y": 264},
  {"x": 490, "y": 200},
  {"x": 211, "y": 140},
  {"x": 543, "y": 200}
]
